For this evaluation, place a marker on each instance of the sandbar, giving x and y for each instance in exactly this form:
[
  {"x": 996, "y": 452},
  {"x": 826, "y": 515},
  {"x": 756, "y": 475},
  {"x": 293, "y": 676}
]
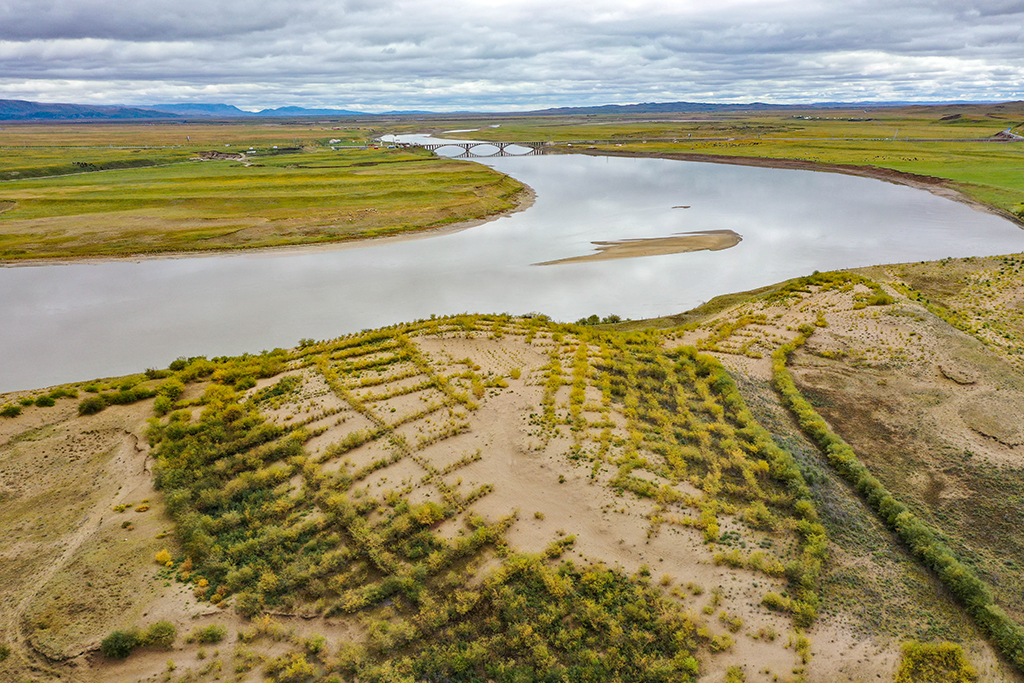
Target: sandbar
[{"x": 710, "y": 240}]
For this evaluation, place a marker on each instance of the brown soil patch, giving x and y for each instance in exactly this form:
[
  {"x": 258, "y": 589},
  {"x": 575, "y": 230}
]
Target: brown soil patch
[{"x": 997, "y": 416}]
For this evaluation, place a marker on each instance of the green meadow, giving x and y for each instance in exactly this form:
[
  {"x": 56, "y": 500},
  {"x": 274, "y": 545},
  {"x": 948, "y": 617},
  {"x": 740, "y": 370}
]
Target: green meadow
[
  {"x": 98, "y": 202},
  {"x": 954, "y": 143}
]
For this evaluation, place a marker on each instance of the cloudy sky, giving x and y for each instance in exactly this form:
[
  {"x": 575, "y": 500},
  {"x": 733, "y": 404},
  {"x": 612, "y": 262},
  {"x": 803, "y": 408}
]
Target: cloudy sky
[{"x": 375, "y": 55}]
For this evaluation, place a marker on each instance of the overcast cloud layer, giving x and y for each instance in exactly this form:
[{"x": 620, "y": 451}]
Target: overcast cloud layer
[{"x": 374, "y": 55}]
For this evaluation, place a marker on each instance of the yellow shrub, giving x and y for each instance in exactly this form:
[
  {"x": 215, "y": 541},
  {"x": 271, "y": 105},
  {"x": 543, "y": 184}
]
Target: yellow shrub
[
  {"x": 163, "y": 557},
  {"x": 934, "y": 662}
]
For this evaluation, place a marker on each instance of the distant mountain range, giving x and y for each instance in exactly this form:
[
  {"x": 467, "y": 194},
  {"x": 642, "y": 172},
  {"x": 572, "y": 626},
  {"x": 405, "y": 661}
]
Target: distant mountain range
[
  {"x": 228, "y": 110},
  {"x": 20, "y": 110},
  {"x": 683, "y": 107}
]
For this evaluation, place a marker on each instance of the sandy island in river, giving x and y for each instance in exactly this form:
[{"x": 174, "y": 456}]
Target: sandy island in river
[{"x": 711, "y": 240}]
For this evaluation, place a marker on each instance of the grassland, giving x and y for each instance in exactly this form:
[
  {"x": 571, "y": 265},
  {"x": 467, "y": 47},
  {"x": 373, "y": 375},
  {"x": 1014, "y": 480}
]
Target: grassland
[{"x": 83, "y": 200}]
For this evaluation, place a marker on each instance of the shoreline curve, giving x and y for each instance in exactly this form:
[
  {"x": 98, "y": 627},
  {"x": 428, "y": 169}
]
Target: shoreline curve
[{"x": 941, "y": 187}]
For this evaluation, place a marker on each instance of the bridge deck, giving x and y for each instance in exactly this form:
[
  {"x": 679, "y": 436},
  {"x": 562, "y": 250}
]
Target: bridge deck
[{"x": 501, "y": 148}]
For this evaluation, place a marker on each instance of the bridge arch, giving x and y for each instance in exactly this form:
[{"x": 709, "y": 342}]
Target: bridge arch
[{"x": 501, "y": 148}]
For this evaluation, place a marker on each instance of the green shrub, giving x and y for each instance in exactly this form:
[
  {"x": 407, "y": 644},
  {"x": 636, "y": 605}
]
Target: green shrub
[
  {"x": 172, "y": 388},
  {"x": 91, "y": 405},
  {"x": 130, "y": 395},
  {"x": 119, "y": 644},
  {"x": 160, "y": 634},
  {"x": 10, "y": 410},
  {"x": 26, "y": 401},
  {"x": 5, "y": 652},
  {"x": 214, "y": 633},
  {"x": 162, "y": 405},
  {"x": 45, "y": 401},
  {"x": 776, "y": 602},
  {"x": 734, "y": 674}
]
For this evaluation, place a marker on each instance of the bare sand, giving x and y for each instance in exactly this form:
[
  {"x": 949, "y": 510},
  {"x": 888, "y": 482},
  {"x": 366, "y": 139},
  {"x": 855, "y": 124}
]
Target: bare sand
[{"x": 710, "y": 240}]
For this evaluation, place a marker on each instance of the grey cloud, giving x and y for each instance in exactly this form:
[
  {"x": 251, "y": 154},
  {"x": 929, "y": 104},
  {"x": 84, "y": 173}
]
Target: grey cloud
[
  {"x": 410, "y": 53},
  {"x": 152, "y": 19}
]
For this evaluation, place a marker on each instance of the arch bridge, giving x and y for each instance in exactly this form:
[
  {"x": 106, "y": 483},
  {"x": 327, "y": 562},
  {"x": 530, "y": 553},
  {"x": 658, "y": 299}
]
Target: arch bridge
[{"x": 501, "y": 149}]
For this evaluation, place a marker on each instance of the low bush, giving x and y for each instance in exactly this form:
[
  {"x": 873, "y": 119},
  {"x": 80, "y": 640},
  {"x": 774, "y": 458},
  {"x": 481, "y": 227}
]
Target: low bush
[
  {"x": 776, "y": 602},
  {"x": 162, "y": 405},
  {"x": 91, "y": 405},
  {"x": 126, "y": 396},
  {"x": 927, "y": 662},
  {"x": 119, "y": 644},
  {"x": 160, "y": 634},
  {"x": 214, "y": 633},
  {"x": 172, "y": 388},
  {"x": 10, "y": 410}
]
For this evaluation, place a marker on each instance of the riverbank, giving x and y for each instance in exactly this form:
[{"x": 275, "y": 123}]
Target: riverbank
[
  {"x": 523, "y": 200},
  {"x": 311, "y": 197}
]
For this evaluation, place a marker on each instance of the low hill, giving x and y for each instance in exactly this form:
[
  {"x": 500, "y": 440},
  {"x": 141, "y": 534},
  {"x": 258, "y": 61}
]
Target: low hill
[
  {"x": 708, "y": 107},
  {"x": 21, "y": 110},
  {"x": 231, "y": 111},
  {"x": 735, "y": 494}
]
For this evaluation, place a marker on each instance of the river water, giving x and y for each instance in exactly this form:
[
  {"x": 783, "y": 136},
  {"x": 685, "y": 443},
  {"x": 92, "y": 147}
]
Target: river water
[{"x": 64, "y": 323}]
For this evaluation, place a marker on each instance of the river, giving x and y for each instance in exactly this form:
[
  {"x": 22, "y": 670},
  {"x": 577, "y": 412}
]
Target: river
[{"x": 70, "y": 322}]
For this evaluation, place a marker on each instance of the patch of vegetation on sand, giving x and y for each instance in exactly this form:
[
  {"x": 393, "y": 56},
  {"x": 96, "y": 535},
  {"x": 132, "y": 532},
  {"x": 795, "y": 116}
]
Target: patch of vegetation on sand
[
  {"x": 903, "y": 469},
  {"x": 270, "y": 525}
]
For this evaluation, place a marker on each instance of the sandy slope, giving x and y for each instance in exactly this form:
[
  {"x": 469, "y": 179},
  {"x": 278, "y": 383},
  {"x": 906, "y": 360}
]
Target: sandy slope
[{"x": 72, "y": 569}]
